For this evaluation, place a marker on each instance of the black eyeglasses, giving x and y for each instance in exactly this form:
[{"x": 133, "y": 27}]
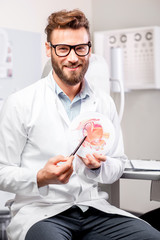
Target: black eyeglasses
[{"x": 62, "y": 50}]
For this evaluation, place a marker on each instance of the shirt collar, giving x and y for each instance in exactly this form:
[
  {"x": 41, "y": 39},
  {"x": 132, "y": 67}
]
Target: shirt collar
[
  {"x": 58, "y": 90},
  {"x": 84, "y": 92}
]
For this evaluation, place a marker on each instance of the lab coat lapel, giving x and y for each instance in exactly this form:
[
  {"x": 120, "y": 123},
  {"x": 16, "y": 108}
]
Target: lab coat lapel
[
  {"x": 89, "y": 105},
  {"x": 59, "y": 105},
  {"x": 62, "y": 112}
]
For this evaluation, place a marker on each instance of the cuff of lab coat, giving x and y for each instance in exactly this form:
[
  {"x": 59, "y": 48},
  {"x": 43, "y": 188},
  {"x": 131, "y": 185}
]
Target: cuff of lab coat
[
  {"x": 92, "y": 173},
  {"x": 43, "y": 191},
  {"x": 32, "y": 177},
  {"x": 96, "y": 171}
]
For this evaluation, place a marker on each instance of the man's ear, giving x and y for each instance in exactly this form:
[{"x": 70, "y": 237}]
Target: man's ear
[
  {"x": 48, "y": 49},
  {"x": 90, "y": 52}
]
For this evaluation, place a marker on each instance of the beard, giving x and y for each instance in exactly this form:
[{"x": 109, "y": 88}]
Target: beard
[{"x": 74, "y": 77}]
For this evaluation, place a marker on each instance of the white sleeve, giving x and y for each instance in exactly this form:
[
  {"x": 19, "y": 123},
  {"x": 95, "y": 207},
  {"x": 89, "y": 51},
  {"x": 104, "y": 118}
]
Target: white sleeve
[{"x": 13, "y": 137}]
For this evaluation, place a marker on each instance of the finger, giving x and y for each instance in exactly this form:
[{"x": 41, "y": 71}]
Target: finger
[
  {"x": 57, "y": 159},
  {"x": 70, "y": 158},
  {"x": 60, "y": 159},
  {"x": 100, "y": 157},
  {"x": 92, "y": 162},
  {"x": 91, "y": 158},
  {"x": 64, "y": 167},
  {"x": 64, "y": 178}
]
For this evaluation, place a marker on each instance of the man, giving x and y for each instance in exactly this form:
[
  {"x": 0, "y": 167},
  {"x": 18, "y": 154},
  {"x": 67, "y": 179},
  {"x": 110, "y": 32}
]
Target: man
[{"x": 57, "y": 197}]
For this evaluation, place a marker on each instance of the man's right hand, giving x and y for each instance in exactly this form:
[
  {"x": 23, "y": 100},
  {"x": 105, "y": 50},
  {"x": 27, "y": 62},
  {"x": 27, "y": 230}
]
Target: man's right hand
[{"x": 54, "y": 173}]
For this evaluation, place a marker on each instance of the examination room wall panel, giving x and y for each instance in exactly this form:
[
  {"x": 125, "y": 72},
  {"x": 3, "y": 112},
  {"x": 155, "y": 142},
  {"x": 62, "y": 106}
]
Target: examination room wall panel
[{"x": 140, "y": 124}]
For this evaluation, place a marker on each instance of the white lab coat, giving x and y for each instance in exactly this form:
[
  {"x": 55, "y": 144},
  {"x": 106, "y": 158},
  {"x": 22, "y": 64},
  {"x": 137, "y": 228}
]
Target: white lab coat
[{"x": 33, "y": 128}]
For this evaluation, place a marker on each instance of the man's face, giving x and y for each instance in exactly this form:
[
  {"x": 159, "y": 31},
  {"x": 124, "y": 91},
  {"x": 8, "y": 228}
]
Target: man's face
[{"x": 72, "y": 68}]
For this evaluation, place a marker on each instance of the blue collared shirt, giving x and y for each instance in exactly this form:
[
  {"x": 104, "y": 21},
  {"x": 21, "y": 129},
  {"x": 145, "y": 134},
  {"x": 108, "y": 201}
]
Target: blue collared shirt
[{"x": 73, "y": 107}]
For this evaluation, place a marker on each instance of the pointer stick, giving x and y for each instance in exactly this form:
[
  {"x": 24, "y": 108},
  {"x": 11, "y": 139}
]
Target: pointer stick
[{"x": 74, "y": 152}]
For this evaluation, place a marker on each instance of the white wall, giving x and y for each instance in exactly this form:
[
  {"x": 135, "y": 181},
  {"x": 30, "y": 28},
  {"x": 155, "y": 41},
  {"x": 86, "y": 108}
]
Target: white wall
[
  {"x": 141, "y": 128},
  {"x": 31, "y": 15}
]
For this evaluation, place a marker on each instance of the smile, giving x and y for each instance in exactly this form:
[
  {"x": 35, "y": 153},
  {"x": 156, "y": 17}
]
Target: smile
[{"x": 73, "y": 68}]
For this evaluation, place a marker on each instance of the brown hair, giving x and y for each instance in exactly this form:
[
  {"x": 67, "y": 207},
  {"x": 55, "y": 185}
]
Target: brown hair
[{"x": 64, "y": 19}]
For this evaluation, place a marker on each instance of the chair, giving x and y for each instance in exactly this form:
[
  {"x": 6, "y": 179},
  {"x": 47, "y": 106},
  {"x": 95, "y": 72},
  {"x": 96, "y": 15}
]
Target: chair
[{"x": 5, "y": 218}]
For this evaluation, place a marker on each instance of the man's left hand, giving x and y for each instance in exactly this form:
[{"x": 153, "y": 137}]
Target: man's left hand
[{"x": 93, "y": 161}]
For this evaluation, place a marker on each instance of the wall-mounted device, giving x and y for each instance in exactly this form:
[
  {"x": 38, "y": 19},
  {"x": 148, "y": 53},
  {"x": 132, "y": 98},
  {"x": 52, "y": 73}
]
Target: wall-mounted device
[{"x": 141, "y": 54}]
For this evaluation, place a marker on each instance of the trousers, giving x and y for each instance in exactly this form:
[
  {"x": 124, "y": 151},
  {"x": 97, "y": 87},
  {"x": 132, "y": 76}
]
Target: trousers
[
  {"x": 152, "y": 217},
  {"x": 74, "y": 224}
]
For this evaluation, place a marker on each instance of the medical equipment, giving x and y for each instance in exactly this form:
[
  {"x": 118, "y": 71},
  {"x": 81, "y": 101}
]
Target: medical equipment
[{"x": 141, "y": 54}]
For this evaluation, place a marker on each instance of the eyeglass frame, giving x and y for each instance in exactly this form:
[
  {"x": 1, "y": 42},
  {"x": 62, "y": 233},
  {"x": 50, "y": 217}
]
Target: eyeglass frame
[{"x": 71, "y": 47}]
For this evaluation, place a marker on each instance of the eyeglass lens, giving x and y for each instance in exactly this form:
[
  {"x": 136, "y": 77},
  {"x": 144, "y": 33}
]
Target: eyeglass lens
[{"x": 64, "y": 50}]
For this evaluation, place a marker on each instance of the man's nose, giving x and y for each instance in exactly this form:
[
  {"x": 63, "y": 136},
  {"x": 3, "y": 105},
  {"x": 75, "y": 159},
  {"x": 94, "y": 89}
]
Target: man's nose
[{"x": 72, "y": 56}]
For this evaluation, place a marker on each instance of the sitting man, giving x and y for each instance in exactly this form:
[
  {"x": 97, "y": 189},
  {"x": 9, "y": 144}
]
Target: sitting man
[{"x": 56, "y": 196}]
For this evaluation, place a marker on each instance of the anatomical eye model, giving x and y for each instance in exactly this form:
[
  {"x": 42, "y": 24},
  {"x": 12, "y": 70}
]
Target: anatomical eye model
[
  {"x": 99, "y": 131},
  {"x": 96, "y": 138}
]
